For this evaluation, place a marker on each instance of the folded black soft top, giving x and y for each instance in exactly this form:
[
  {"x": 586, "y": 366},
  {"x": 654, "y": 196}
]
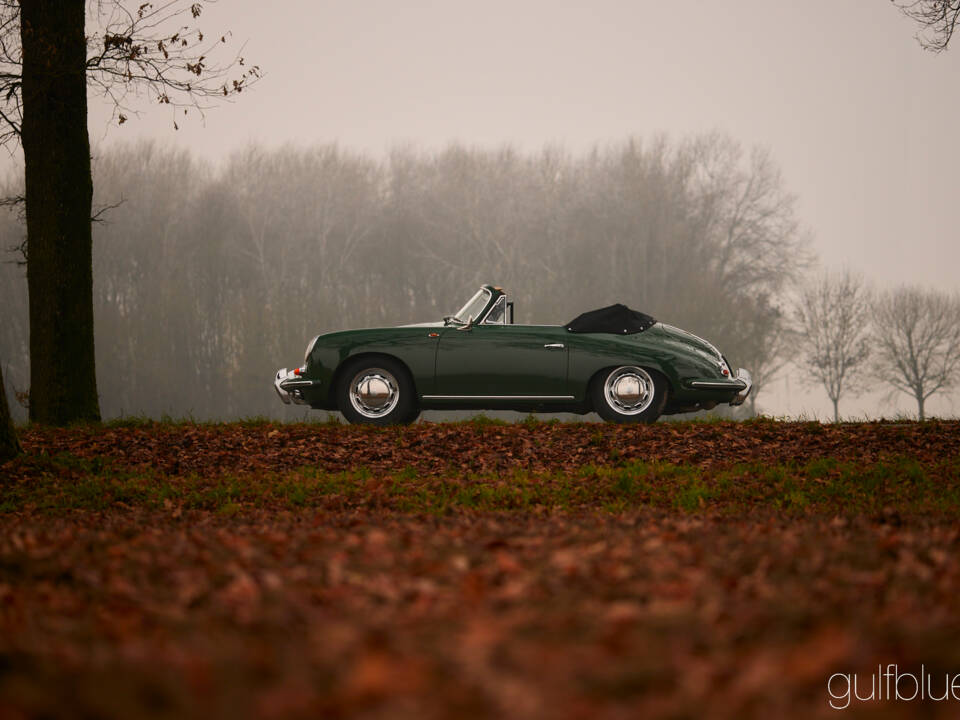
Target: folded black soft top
[{"x": 617, "y": 319}]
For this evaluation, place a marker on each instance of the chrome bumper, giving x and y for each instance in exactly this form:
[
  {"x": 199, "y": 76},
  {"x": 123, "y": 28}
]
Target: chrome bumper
[
  {"x": 290, "y": 387},
  {"x": 744, "y": 377},
  {"x": 742, "y": 382}
]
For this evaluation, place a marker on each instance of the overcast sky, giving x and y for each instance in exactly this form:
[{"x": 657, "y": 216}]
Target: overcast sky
[{"x": 860, "y": 119}]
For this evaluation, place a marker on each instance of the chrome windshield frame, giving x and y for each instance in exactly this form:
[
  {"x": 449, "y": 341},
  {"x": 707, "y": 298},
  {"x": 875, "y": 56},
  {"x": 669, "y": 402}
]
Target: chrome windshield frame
[
  {"x": 482, "y": 292},
  {"x": 502, "y": 300}
]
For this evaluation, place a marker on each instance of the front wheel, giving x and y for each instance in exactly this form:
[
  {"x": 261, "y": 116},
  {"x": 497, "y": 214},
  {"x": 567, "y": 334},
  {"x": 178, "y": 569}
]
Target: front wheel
[
  {"x": 629, "y": 394},
  {"x": 377, "y": 391}
]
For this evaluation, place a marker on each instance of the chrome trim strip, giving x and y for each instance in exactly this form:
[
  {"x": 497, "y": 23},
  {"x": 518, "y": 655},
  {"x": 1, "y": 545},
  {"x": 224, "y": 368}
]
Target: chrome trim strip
[
  {"x": 552, "y": 346},
  {"x": 298, "y": 383},
  {"x": 498, "y": 397},
  {"x": 719, "y": 385}
]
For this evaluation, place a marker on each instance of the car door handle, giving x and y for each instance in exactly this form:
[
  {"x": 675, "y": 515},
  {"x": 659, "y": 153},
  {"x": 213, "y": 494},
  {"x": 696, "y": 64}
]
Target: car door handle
[{"x": 554, "y": 346}]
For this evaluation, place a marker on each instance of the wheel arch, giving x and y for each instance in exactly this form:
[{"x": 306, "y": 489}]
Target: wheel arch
[{"x": 352, "y": 360}]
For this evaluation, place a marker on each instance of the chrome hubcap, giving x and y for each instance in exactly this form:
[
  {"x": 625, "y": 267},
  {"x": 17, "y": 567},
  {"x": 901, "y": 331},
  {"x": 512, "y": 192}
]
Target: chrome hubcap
[
  {"x": 374, "y": 392},
  {"x": 629, "y": 390}
]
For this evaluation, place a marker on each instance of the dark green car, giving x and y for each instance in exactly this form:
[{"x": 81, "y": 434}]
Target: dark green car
[{"x": 622, "y": 364}]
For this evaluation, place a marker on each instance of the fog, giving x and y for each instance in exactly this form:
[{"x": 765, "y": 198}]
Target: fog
[{"x": 852, "y": 111}]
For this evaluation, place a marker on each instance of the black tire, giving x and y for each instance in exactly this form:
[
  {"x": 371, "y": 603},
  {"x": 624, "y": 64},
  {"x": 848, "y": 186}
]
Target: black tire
[
  {"x": 411, "y": 416},
  {"x": 629, "y": 394},
  {"x": 377, "y": 391}
]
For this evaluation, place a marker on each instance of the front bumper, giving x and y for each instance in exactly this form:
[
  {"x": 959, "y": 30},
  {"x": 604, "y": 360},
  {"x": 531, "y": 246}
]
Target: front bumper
[
  {"x": 290, "y": 386},
  {"x": 742, "y": 383}
]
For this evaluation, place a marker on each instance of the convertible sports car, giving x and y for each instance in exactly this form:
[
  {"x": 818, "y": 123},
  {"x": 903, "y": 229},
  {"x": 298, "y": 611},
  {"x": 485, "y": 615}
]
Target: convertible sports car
[{"x": 621, "y": 363}]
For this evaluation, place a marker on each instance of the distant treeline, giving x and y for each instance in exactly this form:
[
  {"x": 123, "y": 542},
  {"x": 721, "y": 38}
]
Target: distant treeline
[{"x": 206, "y": 279}]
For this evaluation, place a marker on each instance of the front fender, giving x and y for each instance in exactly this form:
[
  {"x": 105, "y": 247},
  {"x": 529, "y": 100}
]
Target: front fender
[{"x": 411, "y": 346}]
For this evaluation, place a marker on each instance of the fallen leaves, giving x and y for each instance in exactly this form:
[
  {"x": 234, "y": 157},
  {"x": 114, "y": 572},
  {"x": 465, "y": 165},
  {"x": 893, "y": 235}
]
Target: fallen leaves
[
  {"x": 216, "y": 585},
  {"x": 432, "y": 448},
  {"x": 415, "y": 616}
]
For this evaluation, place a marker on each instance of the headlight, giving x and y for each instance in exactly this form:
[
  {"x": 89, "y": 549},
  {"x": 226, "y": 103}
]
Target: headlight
[{"x": 306, "y": 355}]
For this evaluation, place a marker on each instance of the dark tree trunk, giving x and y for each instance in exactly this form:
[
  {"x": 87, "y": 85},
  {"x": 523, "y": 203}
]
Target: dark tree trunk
[
  {"x": 921, "y": 415},
  {"x": 59, "y": 190},
  {"x": 836, "y": 410},
  {"x": 9, "y": 446}
]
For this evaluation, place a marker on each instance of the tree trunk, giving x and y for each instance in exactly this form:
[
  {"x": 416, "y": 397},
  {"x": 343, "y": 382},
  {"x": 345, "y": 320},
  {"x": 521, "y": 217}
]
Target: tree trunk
[
  {"x": 9, "y": 446},
  {"x": 836, "y": 410},
  {"x": 59, "y": 191},
  {"x": 920, "y": 403}
]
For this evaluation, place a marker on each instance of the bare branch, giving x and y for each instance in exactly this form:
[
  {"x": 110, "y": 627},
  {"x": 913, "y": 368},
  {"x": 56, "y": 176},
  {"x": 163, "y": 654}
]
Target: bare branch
[
  {"x": 17, "y": 205},
  {"x": 937, "y": 20},
  {"x": 98, "y": 215},
  {"x": 156, "y": 51}
]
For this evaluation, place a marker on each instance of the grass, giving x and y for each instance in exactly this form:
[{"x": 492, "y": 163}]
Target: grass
[
  {"x": 481, "y": 421},
  {"x": 52, "y": 484}
]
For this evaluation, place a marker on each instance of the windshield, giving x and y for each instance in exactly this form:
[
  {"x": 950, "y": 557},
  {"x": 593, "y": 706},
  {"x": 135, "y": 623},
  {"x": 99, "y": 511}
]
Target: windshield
[
  {"x": 496, "y": 316},
  {"x": 474, "y": 307}
]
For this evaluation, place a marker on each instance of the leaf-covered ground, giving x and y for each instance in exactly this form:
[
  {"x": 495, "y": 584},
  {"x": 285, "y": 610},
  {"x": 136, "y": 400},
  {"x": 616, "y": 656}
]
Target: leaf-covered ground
[
  {"x": 488, "y": 446},
  {"x": 536, "y": 570}
]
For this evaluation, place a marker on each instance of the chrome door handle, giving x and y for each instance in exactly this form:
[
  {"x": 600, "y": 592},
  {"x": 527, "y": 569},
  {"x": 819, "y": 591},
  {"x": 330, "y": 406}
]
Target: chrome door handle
[{"x": 554, "y": 346}]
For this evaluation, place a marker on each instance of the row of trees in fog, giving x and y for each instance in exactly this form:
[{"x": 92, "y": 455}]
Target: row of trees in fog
[
  {"x": 852, "y": 338},
  {"x": 206, "y": 279}
]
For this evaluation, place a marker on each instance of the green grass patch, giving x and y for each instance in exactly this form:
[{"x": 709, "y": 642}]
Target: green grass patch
[
  {"x": 132, "y": 421},
  {"x": 62, "y": 482}
]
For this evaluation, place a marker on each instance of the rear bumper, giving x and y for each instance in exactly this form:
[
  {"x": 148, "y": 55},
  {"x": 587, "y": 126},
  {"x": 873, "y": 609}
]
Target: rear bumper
[
  {"x": 290, "y": 387},
  {"x": 744, "y": 377},
  {"x": 742, "y": 384}
]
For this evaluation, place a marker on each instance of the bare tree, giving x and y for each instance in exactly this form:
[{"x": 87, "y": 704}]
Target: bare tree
[
  {"x": 757, "y": 242},
  {"x": 47, "y": 60},
  {"x": 937, "y": 20},
  {"x": 917, "y": 342},
  {"x": 9, "y": 445},
  {"x": 833, "y": 323}
]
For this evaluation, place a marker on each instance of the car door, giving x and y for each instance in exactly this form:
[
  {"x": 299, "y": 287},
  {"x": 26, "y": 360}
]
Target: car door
[{"x": 490, "y": 361}]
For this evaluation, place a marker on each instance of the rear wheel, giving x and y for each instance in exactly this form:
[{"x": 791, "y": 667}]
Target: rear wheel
[
  {"x": 377, "y": 391},
  {"x": 629, "y": 394}
]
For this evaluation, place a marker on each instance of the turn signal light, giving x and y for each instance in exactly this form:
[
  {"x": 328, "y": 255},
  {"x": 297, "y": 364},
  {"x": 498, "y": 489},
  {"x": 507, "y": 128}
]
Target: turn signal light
[
  {"x": 724, "y": 371},
  {"x": 298, "y": 371}
]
